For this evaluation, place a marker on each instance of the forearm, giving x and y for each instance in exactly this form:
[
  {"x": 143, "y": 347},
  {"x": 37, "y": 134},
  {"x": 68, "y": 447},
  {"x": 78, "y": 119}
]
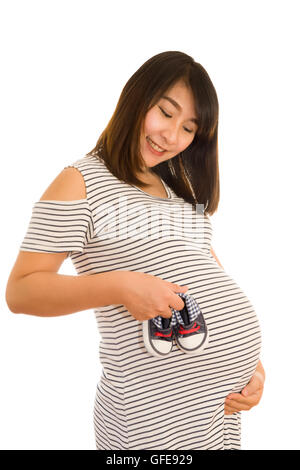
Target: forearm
[{"x": 49, "y": 294}]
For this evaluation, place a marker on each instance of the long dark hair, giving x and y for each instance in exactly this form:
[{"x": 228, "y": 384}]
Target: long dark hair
[{"x": 194, "y": 173}]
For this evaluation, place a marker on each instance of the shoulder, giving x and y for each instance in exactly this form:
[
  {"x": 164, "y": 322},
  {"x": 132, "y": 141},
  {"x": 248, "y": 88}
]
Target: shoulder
[{"x": 67, "y": 186}]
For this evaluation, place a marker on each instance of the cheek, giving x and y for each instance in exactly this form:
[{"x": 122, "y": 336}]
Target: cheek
[
  {"x": 185, "y": 142},
  {"x": 152, "y": 123}
]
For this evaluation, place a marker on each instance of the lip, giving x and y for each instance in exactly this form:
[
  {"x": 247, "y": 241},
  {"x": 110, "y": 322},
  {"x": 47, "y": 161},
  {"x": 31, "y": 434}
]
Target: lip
[{"x": 156, "y": 144}]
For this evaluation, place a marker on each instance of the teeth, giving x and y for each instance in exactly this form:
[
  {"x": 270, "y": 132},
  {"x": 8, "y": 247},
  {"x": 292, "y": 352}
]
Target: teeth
[{"x": 159, "y": 149}]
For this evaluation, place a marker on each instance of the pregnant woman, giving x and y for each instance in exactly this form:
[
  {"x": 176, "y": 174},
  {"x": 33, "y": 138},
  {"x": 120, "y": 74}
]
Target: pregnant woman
[{"x": 134, "y": 217}]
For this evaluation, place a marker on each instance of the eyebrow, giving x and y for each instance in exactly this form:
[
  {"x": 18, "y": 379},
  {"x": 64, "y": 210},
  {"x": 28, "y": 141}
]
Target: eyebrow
[{"x": 177, "y": 106}]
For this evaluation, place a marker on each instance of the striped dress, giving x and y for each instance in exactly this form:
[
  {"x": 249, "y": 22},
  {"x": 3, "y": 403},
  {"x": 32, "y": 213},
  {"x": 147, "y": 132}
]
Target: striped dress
[{"x": 143, "y": 402}]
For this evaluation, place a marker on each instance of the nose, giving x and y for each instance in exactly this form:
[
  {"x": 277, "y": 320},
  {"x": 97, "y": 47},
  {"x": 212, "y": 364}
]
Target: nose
[{"x": 169, "y": 136}]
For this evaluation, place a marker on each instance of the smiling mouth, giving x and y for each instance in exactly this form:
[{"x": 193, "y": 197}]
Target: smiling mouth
[{"x": 155, "y": 146}]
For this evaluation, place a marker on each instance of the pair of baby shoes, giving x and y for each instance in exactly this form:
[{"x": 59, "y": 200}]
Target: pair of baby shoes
[{"x": 186, "y": 326}]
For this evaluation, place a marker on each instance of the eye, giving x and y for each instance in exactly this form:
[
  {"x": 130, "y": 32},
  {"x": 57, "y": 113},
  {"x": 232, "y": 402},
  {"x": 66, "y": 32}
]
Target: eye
[{"x": 168, "y": 116}]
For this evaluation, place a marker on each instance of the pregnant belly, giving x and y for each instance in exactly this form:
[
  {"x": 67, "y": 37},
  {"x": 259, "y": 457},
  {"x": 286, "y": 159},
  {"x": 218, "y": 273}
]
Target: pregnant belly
[
  {"x": 234, "y": 331},
  {"x": 225, "y": 365}
]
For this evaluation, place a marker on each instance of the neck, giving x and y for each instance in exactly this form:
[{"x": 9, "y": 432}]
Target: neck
[{"x": 147, "y": 175}]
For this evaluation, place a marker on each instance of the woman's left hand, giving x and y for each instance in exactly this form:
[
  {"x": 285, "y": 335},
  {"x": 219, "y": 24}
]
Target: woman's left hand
[{"x": 250, "y": 396}]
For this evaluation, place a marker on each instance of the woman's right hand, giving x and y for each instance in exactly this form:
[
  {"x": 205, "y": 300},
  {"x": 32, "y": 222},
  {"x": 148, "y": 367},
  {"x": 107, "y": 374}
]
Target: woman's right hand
[{"x": 146, "y": 296}]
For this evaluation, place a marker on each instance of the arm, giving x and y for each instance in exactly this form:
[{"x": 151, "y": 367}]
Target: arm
[
  {"x": 48, "y": 294},
  {"x": 34, "y": 286}
]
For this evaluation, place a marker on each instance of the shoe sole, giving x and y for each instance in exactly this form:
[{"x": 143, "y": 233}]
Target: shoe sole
[
  {"x": 197, "y": 350},
  {"x": 148, "y": 345}
]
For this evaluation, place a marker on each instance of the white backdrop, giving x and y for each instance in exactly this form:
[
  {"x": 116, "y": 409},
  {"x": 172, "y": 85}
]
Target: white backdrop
[{"x": 64, "y": 64}]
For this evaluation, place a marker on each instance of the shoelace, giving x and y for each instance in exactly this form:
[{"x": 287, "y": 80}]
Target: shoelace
[
  {"x": 165, "y": 335},
  {"x": 182, "y": 330}
]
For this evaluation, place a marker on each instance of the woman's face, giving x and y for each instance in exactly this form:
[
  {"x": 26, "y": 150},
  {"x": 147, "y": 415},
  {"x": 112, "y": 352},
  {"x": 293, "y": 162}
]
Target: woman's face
[{"x": 169, "y": 125}]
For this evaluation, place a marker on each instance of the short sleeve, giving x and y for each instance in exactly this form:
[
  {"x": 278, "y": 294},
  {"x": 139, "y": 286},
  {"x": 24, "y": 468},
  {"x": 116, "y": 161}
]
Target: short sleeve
[{"x": 58, "y": 226}]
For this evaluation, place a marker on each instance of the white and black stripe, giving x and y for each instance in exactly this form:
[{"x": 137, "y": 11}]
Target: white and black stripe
[{"x": 144, "y": 402}]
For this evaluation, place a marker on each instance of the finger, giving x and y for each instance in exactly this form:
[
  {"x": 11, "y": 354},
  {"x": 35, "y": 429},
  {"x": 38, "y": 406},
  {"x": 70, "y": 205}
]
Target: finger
[
  {"x": 177, "y": 302},
  {"x": 167, "y": 314},
  {"x": 235, "y": 409},
  {"x": 252, "y": 399},
  {"x": 178, "y": 288},
  {"x": 230, "y": 411},
  {"x": 238, "y": 397},
  {"x": 239, "y": 406}
]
